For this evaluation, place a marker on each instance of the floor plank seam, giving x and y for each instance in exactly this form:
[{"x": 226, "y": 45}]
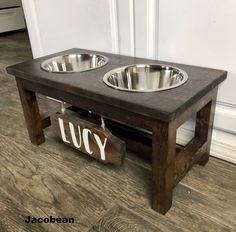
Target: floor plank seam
[{"x": 212, "y": 218}]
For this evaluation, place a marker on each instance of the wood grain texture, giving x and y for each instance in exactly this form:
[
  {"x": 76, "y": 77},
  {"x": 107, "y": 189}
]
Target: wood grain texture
[
  {"x": 18, "y": 132},
  {"x": 86, "y": 90},
  {"x": 31, "y": 112},
  {"x": 204, "y": 127},
  {"x": 163, "y": 105},
  {"x": 114, "y": 148},
  {"x": 95, "y": 106},
  {"x": 204, "y": 186},
  {"x": 13, "y": 216},
  {"x": 163, "y": 161},
  {"x": 39, "y": 180},
  {"x": 121, "y": 219},
  {"x": 36, "y": 184},
  {"x": 164, "y": 137},
  {"x": 121, "y": 186}
]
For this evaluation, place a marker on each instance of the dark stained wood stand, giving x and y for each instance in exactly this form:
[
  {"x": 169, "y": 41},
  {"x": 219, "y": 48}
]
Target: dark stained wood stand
[{"x": 159, "y": 112}]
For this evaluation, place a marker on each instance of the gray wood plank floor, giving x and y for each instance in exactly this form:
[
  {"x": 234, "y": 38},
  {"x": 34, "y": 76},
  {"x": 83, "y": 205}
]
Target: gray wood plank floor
[{"x": 55, "y": 180}]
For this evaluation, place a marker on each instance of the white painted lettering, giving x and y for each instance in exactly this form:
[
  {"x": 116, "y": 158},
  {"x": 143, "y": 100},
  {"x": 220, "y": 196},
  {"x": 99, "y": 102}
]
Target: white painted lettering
[
  {"x": 86, "y": 140},
  {"x": 72, "y": 132},
  {"x": 101, "y": 146},
  {"x": 62, "y": 129}
]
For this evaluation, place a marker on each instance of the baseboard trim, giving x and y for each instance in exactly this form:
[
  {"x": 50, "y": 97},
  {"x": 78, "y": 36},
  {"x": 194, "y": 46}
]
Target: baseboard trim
[
  {"x": 223, "y": 144},
  {"x": 225, "y": 117}
]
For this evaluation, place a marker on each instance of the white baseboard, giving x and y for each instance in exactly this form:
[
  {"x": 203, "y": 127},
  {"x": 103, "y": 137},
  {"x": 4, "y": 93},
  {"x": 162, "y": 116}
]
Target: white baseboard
[
  {"x": 223, "y": 144},
  {"x": 225, "y": 117}
]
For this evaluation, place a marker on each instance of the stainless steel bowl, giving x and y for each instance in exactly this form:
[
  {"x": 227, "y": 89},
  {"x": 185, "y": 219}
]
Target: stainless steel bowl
[
  {"x": 145, "y": 78},
  {"x": 74, "y": 63}
]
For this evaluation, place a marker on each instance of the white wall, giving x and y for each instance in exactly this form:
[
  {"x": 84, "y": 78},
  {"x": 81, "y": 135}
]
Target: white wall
[
  {"x": 186, "y": 31},
  {"x": 120, "y": 26},
  {"x": 203, "y": 33},
  {"x": 69, "y": 23}
]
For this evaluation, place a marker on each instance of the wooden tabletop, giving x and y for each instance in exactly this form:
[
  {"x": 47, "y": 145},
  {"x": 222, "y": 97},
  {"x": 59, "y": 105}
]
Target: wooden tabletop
[{"x": 164, "y": 105}]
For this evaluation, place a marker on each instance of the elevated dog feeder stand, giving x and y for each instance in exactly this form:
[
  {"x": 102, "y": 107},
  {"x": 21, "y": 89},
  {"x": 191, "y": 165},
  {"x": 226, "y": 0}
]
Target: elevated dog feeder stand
[{"x": 158, "y": 112}]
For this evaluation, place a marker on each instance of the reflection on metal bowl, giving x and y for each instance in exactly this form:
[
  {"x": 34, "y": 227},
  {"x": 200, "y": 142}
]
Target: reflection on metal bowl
[
  {"x": 145, "y": 78},
  {"x": 74, "y": 63}
]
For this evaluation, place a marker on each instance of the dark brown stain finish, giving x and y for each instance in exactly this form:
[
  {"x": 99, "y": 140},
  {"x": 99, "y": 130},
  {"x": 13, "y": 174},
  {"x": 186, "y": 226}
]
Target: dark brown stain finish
[
  {"x": 159, "y": 112},
  {"x": 97, "y": 142},
  {"x": 165, "y": 105}
]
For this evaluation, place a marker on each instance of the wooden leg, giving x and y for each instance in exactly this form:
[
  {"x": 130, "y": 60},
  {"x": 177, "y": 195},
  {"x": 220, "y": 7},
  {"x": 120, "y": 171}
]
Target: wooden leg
[
  {"x": 163, "y": 158},
  {"x": 31, "y": 113},
  {"x": 204, "y": 126}
]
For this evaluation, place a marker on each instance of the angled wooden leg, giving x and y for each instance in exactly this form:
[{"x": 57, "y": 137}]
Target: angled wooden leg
[
  {"x": 204, "y": 126},
  {"x": 163, "y": 158},
  {"x": 31, "y": 113}
]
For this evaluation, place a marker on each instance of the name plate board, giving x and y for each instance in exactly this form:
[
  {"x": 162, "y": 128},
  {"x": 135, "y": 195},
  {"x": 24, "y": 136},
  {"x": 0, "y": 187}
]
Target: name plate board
[{"x": 88, "y": 138}]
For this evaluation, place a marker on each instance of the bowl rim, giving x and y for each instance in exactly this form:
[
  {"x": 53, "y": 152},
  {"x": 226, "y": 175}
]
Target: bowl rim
[
  {"x": 108, "y": 74},
  {"x": 43, "y": 63}
]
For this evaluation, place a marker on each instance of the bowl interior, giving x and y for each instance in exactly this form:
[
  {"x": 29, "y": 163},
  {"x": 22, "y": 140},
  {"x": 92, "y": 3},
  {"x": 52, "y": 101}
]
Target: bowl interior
[
  {"x": 74, "y": 63},
  {"x": 145, "y": 78}
]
